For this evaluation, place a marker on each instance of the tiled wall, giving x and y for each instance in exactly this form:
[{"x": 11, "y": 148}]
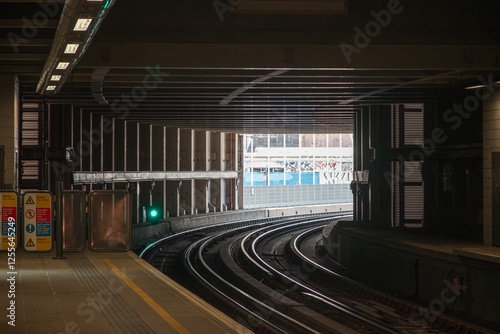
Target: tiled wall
[{"x": 491, "y": 143}]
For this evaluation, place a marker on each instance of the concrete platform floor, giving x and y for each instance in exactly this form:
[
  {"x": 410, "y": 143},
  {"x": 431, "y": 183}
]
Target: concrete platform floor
[{"x": 99, "y": 293}]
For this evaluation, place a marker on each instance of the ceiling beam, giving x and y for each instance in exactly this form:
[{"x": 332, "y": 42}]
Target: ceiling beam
[
  {"x": 110, "y": 177},
  {"x": 23, "y": 56},
  {"x": 271, "y": 57},
  {"x": 19, "y": 24},
  {"x": 32, "y": 42}
]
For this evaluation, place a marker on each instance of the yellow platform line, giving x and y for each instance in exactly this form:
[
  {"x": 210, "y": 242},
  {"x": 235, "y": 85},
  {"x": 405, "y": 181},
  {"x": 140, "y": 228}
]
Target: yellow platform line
[{"x": 154, "y": 305}]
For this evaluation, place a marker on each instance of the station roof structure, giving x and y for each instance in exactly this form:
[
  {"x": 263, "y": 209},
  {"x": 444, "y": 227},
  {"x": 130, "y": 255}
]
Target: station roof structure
[{"x": 253, "y": 66}]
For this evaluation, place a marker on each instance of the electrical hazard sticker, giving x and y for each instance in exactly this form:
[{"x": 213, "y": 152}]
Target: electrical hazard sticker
[{"x": 38, "y": 221}]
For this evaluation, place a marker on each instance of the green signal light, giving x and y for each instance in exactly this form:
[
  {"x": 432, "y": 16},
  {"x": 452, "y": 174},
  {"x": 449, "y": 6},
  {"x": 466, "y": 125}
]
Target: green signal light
[{"x": 154, "y": 213}]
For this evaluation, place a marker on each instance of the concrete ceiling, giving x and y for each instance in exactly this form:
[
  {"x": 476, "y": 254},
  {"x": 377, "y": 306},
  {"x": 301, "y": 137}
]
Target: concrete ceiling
[{"x": 201, "y": 64}]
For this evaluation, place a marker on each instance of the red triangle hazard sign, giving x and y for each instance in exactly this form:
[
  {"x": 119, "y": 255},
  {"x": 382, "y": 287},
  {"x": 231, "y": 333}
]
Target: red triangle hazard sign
[
  {"x": 30, "y": 201},
  {"x": 30, "y": 243}
]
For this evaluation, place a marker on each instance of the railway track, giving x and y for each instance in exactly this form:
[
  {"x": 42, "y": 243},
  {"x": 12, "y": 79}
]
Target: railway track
[{"x": 265, "y": 274}]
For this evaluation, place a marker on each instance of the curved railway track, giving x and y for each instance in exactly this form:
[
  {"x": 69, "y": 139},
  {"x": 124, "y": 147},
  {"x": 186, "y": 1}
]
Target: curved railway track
[{"x": 265, "y": 274}]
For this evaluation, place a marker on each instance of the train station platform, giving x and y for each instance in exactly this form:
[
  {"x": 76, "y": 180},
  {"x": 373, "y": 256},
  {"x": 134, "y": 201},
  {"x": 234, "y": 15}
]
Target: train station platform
[
  {"x": 105, "y": 292},
  {"x": 450, "y": 273}
]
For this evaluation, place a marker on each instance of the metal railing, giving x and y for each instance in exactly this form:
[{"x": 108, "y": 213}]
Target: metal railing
[{"x": 295, "y": 195}]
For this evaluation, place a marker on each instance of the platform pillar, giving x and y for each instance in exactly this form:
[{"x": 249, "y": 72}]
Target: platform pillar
[
  {"x": 144, "y": 164},
  {"x": 118, "y": 157},
  {"x": 361, "y": 198},
  {"x": 231, "y": 148},
  {"x": 223, "y": 167},
  {"x": 187, "y": 160},
  {"x": 491, "y": 145},
  {"x": 158, "y": 163},
  {"x": 172, "y": 163},
  {"x": 241, "y": 172},
  {"x": 131, "y": 163},
  {"x": 380, "y": 166},
  {"x": 201, "y": 163},
  {"x": 216, "y": 164}
]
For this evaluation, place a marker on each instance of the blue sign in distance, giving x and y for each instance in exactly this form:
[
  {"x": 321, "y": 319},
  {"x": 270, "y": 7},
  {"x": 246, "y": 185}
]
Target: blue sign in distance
[{"x": 30, "y": 228}]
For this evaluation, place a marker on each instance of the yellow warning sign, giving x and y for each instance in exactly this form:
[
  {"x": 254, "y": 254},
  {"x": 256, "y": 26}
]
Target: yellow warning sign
[
  {"x": 8, "y": 242},
  {"x": 9, "y": 199},
  {"x": 37, "y": 221},
  {"x": 43, "y": 243},
  {"x": 43, "y": 200},
  {"x": 8, "y": 222}
]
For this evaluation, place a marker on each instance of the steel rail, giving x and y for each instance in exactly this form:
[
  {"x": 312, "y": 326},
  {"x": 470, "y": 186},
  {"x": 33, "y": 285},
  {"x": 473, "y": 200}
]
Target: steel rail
[
  {"x": 340, "y": 306},
  {"x": 208, "y": 240}
]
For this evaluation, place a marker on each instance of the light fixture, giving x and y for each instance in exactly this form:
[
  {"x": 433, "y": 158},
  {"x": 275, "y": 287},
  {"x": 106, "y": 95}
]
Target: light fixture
[
  {"x": 51, "y": 87},
  {"x": 484, "y": 81},
  {"x": 79, "y": 23},
  {"x": 70, "y": 154},
  {"x": 475, "y": 87},
  {"x": 71, "y": 48},
  {"x": 82, "y": 24},
  {"x": 62, "y": 65}
]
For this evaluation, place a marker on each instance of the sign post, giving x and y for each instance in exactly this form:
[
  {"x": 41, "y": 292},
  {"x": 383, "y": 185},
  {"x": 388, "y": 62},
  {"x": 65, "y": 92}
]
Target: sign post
[
  {"x": 38, "y": 236},
  {"x": 9, "y": 210}
]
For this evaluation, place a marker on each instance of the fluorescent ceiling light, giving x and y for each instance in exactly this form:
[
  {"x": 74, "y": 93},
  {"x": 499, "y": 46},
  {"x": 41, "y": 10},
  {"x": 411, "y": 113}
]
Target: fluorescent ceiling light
[
  {"x": 51, "y": 87},
  {"x": 55, "y": 78},
  {"x": 474, "y": 87},
  {"x": 82, "y": 24},
  {"x": 62, "y": 65},
  {"x": 71, "y": 48}
]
